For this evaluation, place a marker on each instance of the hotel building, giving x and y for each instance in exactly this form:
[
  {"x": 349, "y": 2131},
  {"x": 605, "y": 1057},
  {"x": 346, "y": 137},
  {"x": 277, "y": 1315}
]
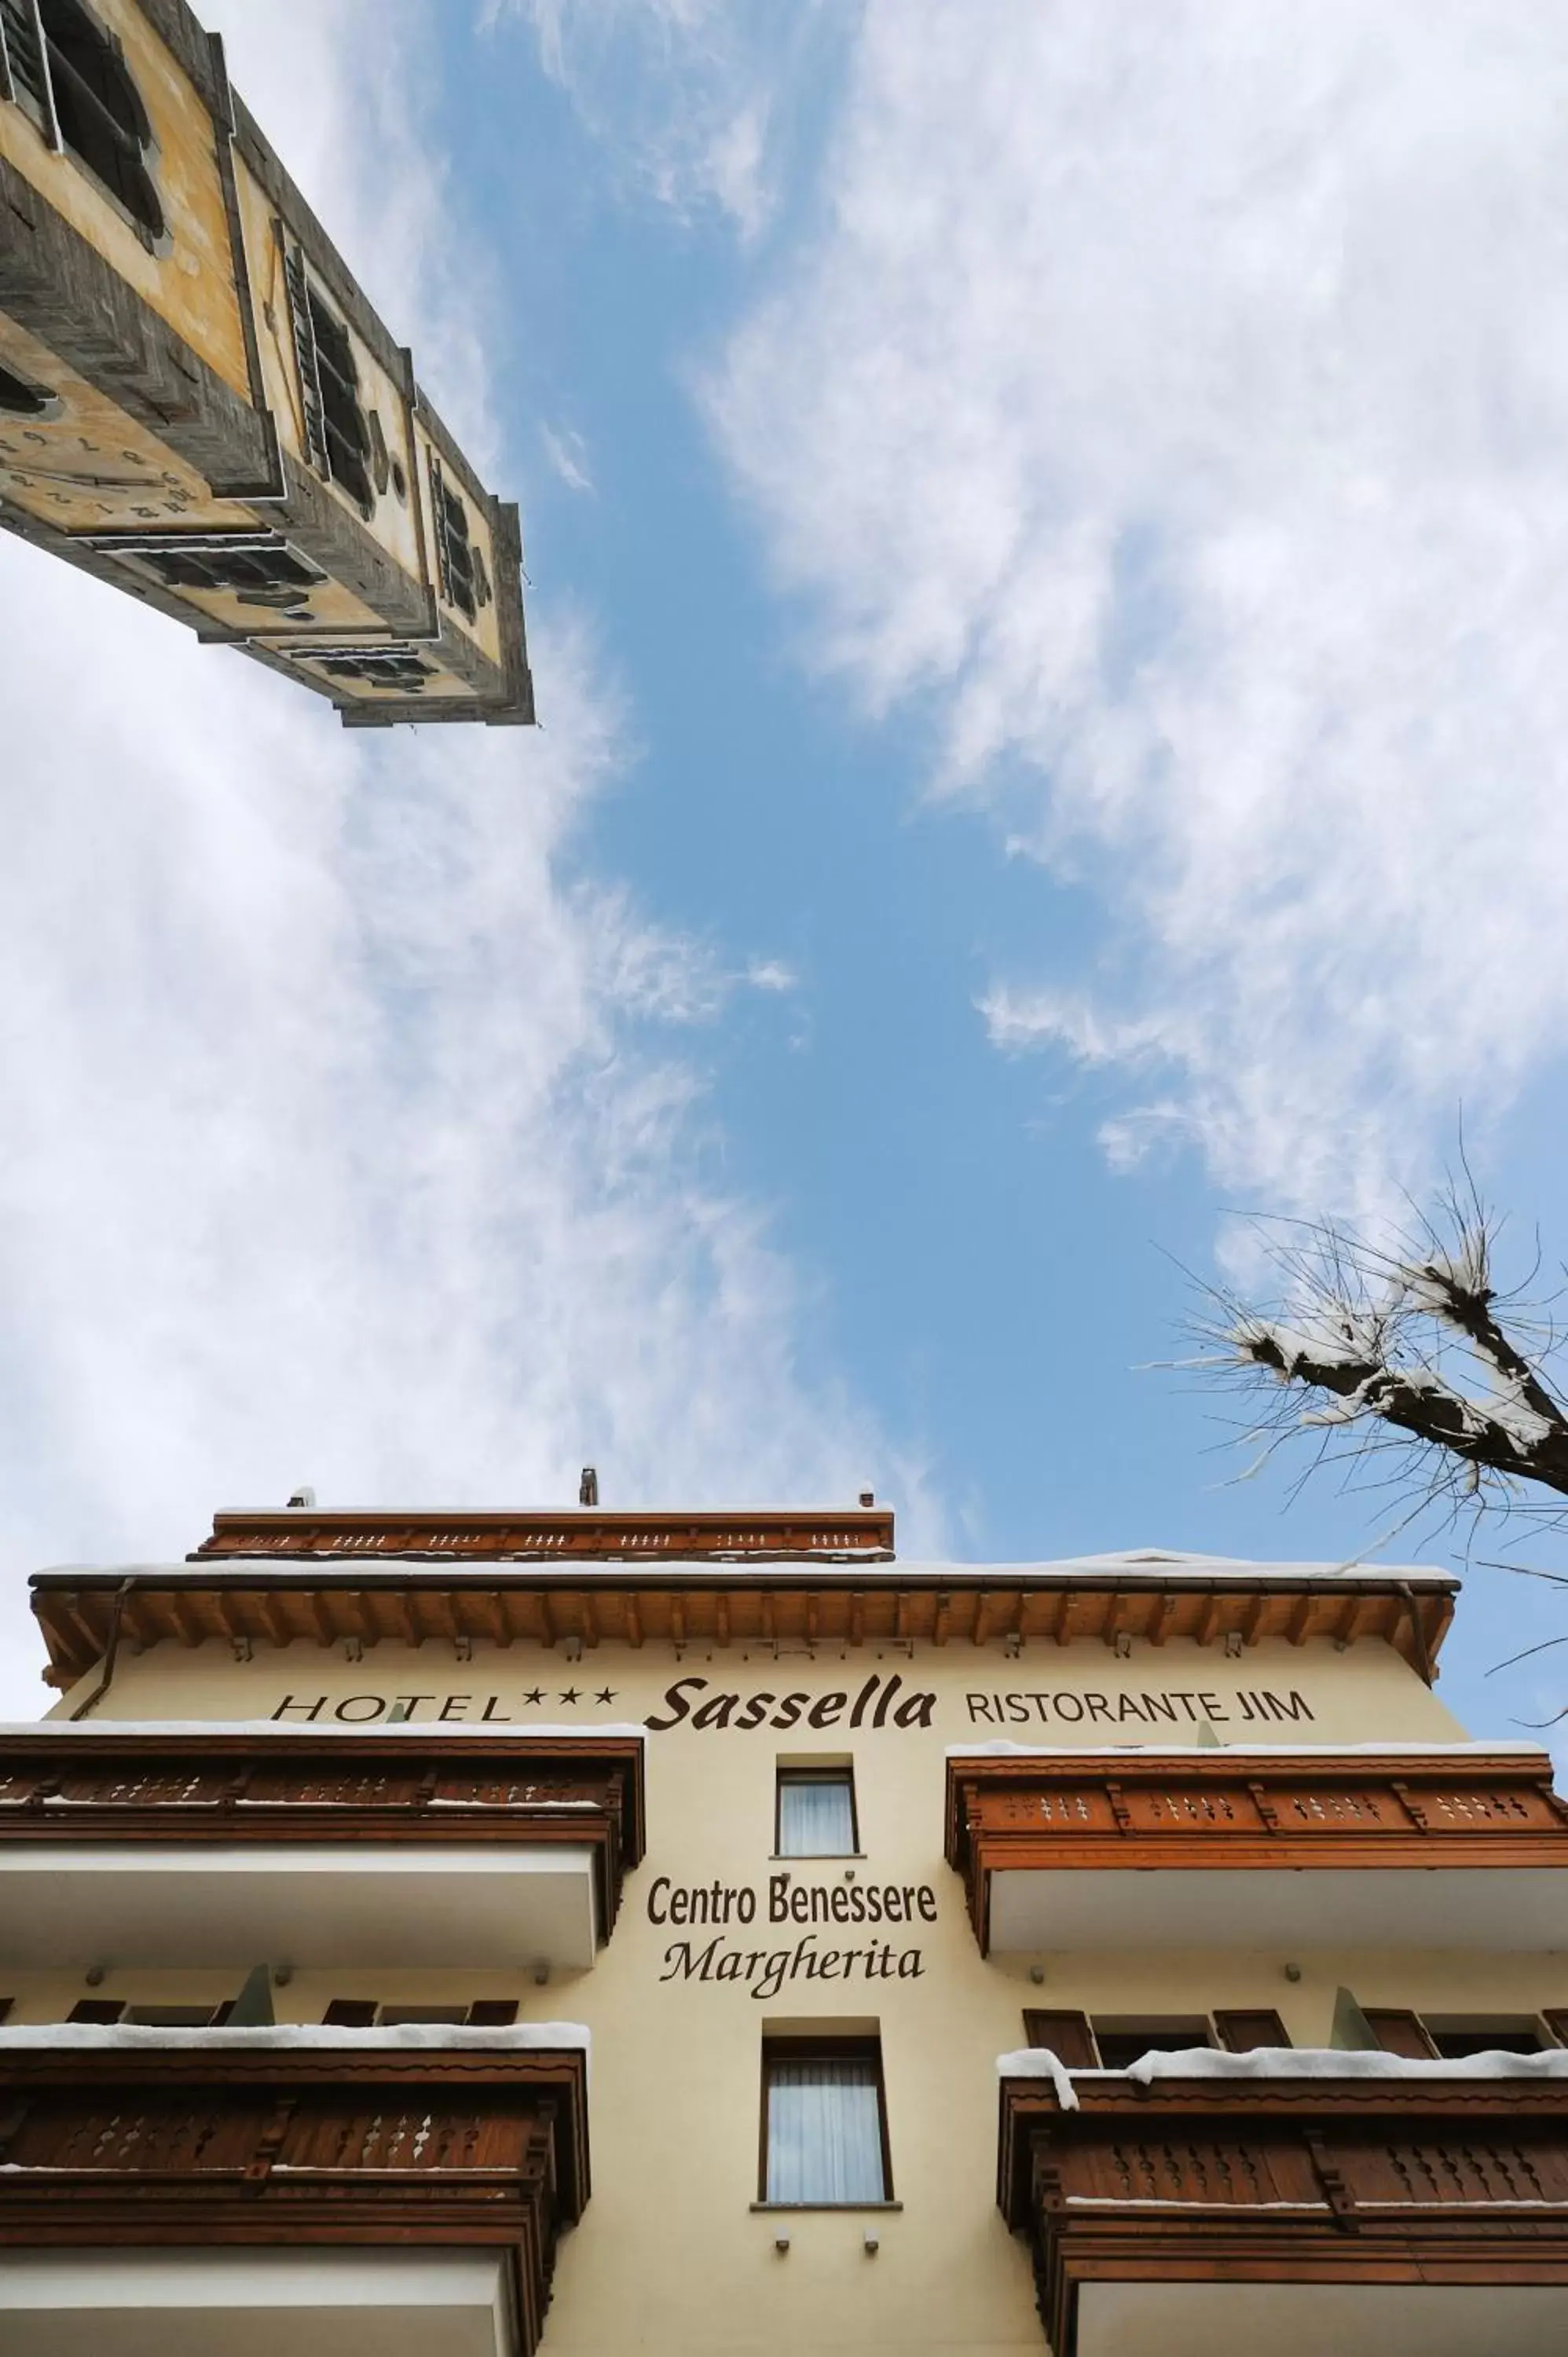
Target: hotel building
[
  {"x": 198, "y": 405},
  {"x": 443, "y": 1934}
]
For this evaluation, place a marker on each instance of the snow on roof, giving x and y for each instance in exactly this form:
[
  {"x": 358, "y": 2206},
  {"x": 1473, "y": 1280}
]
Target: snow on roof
[
  {"x": 54, "y": 2037},
  {"x": 1093, "y": 1570},
  {"x": 1278, "y": 2063},
  {"x": 1000, "y": 1749},
  {"x": 424, "y": 1728}
]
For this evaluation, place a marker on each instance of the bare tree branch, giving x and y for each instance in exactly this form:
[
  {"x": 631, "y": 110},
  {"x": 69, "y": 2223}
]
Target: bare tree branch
[{"x": 1405, "y": 1349}]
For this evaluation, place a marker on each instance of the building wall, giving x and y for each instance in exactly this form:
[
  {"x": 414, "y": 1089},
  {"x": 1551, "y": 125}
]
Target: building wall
[{"x": 671, "y": 2255}]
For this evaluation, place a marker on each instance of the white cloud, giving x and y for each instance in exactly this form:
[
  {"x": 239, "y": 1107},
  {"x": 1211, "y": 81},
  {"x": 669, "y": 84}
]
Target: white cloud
[
  {"x": 568, "y": 454},
  {"x": 1174, "y": 397},
  {"x": 693, "y": 99},
  {"x": 339, "y": 1143}
]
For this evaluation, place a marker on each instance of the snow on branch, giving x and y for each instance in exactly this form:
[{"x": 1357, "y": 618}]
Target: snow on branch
[{"x": 1405, "y": 1346}]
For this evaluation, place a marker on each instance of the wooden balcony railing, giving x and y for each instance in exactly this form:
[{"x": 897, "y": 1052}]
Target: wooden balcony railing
[
  {"x": 1234, "y": 1809},
  {"x": 204, "y": 2144},
  {"x": 282, "y": 1785},
  {"x": 1287, "y": 2181}
]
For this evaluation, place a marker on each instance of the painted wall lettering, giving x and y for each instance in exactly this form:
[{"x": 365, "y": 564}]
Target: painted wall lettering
[
  {"x": 879, "y": 1704},
  {"x": 1175, "y": 1706},
  {"x": 765, "y": 1972}
]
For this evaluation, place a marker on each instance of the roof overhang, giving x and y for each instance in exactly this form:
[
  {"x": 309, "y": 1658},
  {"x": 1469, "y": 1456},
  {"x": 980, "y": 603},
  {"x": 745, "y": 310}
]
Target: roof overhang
[{"x": 399, "y": 1589}]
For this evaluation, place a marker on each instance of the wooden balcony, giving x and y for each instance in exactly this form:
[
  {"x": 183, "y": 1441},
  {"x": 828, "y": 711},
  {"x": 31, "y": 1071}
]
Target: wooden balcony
[
  {"x": 226, "y": 1844},
  {"x": 237, "y": 2144},
  {"x": 1459, "y": 1848},
  {"x": 1411, "y": 2216}
]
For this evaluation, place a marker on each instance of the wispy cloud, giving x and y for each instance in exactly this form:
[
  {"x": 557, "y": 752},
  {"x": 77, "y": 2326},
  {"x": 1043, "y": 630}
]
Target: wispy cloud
[
  {"x": 693, "y": 98},
  {"x": 568, "y": 454},
  {"x": 1175, "y": 399}
]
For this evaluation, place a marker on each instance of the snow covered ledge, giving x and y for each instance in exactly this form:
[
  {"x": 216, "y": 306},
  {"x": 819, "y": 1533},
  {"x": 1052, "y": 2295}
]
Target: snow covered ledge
[{"x": 1203, "y": 2204}]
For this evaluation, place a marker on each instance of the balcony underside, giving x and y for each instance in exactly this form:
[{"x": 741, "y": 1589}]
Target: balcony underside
[
  {"x": 411, "y": 1904},
  {"x": 1362, "y": 2320},
  {"x": 194, "y": 2302},
  {"x": 1486, "y": 1907}
]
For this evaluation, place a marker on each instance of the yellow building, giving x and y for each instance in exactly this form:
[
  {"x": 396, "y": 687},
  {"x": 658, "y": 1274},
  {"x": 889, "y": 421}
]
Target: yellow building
[
  {"x": 706, "y": 1932},
  {"x": 198, "y": 404}
]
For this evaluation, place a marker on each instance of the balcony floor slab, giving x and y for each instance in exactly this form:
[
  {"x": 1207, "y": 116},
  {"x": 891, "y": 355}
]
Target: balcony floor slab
[
  {"x": 1237, "y": 2319},
  {"x": 189, "y": 2303},
  {"x": 501, "y": 1907}
]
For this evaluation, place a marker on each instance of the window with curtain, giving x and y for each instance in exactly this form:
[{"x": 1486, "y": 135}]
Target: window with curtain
[
  {"x": 824, "y": 2126},
  {"x": 816, "y": 1812}
]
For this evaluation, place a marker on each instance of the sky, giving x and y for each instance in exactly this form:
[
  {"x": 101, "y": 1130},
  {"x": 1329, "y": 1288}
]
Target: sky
[{"x": 1045, "y": 547}]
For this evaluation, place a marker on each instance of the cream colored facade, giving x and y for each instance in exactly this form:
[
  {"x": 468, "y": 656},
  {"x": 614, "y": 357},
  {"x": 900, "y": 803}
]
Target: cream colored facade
[{"x": 709, "y": 1955}]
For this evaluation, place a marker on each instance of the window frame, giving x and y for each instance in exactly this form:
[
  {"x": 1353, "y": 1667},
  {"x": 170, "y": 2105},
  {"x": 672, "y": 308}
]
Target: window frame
[
  {"x": 1079, "y": 2032},
  {"x": 795, "y": 1773},
  {"x": 856, "y": 2046},
  {"x": 129, "y": 132},
  {"x": 369, "y": 2013}
]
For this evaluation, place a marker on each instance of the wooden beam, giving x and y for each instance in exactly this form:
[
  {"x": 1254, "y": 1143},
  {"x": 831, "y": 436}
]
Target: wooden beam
[
  {"x": 1209, "y": 1619},
  {"x": 1300, "y": 1622}
]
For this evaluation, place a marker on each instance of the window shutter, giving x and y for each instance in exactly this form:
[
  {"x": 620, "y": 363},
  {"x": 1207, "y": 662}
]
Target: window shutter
[
  {"x": 5, "y": 2005},
  {"x": 350, "y": 2013},
  {"x": 24, "y": 65},
  {"x": 1555, "y": 2016},
  {"x": 1067, "y": 2035},
  {"x": 492, "y": 2013},
  {"x": 1242, "y": 2033},
  {"x": 101, "y": 2009},
  {"x": 1398, "y": 2032},
  {"x": 306, "y": 360}
]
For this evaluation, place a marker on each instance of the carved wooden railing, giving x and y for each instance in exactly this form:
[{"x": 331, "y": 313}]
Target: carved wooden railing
[
  {"x": 1238, "y": 1809},
  {"x": 196, "y": 2145},
  {"x": 62, "y": 1784},
  {"x": 588, "y": 1532},
  {"x": 1295, "y": 2180}
]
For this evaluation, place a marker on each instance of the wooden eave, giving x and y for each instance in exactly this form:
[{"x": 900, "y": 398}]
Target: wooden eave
[
  {"x": 1147, "y": 1811},
  {"x": 1284, "y": 2179},
  {"x": 721, "y": 1599},
  {"x": 376, "y": 2146}
]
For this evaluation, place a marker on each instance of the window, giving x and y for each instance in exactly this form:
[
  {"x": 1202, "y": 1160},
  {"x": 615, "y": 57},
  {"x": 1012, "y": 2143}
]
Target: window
[
  {"x": 258, "y": 572},
  {"x": 105, "y": 2010},
  {"x": 1122, "y": 2041},
  {"x": 1111, "y": 2042},
  {"x": 464, "y": 581},
  {"x": 824, "y": 2122},
  {"x": 337, "y": 431},
  {"x": 367, "y": 2012},
  {"x": 377, "y": 666},
  {"x": 1425, "y": 2038},
  {"x": 814, "y": 1815},
  {"x": 59, "y": 65}
]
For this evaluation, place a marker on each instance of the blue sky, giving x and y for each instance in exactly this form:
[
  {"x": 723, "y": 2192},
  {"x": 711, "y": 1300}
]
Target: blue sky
[{"x": 1044, "y": 532}]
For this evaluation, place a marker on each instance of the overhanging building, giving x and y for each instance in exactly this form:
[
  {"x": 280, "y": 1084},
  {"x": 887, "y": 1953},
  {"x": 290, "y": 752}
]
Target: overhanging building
[
  {"x": 198, "y": 405},
  {"x": 708, "y": 1933}
]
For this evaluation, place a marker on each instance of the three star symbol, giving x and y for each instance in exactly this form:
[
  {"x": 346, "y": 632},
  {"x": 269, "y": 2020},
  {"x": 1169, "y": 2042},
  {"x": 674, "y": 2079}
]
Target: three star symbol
[{"x": 535, "y": 1695}]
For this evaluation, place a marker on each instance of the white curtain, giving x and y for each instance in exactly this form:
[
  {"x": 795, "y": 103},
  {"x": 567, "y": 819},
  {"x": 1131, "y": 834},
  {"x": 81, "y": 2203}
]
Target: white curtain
[
  {"x": 816, "y": 1818},
  {"x": 824, "y": 2131}
]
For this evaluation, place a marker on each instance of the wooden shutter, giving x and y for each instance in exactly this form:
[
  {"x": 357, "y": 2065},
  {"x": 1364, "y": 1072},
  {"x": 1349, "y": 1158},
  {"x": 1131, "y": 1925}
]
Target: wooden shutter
[
  {"x": 5, "y": 2005},
  {"x": 1242, "y": 2032},
  {"x": 492, "y": 2013},
  {"x": 1068, "y": 2036},
  {"x": 1398, "y": 2032},
  {"x": 102, "y": 2010},
  {"x": 1555, "y": 2016},
  {"x": 350, "y": 2013}
]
